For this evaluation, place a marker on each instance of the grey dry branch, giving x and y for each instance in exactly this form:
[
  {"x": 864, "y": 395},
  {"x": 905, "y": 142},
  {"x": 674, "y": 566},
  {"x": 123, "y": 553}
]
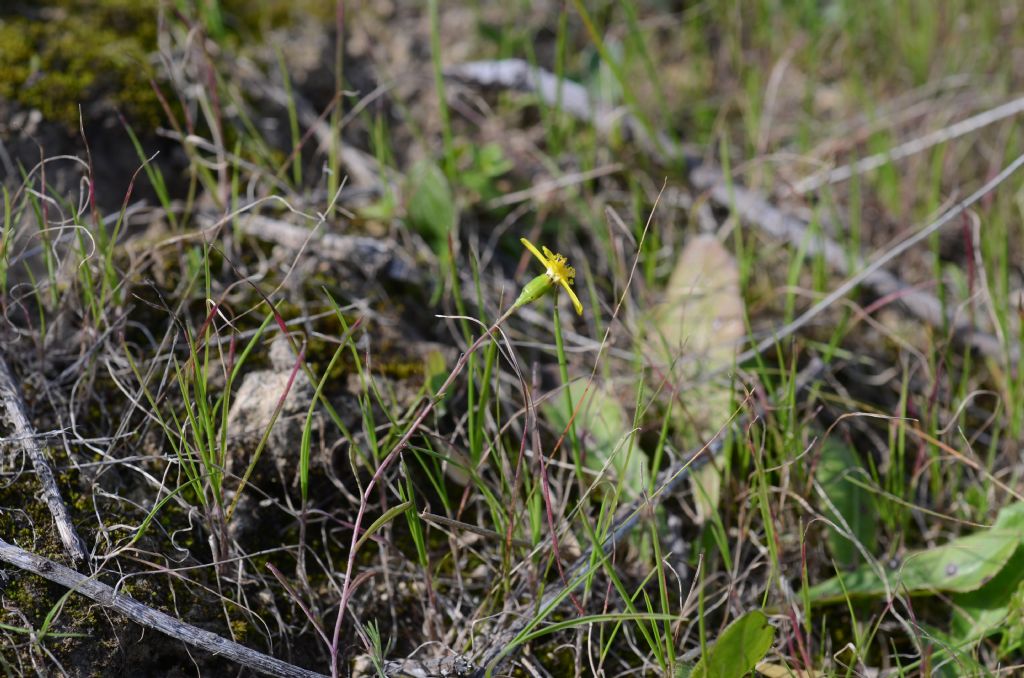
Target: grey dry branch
[
  {"x": 147, "y": 616},
  {"x": 972, "y": 124},
  {"x": 875, "y": 269},
  {"x": 25, "y": 436},
  {"x": 373, "y": 255}
]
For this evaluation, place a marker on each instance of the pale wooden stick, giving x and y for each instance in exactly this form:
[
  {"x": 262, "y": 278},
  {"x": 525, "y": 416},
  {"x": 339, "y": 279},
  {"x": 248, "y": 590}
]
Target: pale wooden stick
[
  {"x": 754, "y": 208},
  {"x": 912, "y": 147},
  {"x": 25, "y": 436},
  {"x": 375, "y": 256},
  {"x": 147, "y": 616}
]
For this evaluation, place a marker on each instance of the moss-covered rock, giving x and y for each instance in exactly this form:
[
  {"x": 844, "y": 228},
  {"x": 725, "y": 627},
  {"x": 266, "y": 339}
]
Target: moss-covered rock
[
  {"x": 59, "y": 54},
  {"x": 89, "y": 52}
]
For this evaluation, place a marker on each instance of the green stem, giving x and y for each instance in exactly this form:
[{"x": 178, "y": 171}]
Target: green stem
[
  {"x": 563, "y": 369},
  {"x": 442, "y": 103}
]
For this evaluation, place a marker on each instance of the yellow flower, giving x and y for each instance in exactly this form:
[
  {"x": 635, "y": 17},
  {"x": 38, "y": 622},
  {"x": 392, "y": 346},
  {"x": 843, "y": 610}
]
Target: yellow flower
[{"x": 558, "y": 272}]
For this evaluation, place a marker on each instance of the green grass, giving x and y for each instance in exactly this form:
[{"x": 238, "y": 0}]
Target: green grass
[{"x": 403, "y": 515}]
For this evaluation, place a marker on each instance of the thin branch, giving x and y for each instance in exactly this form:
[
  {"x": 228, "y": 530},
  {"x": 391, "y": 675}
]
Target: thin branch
[
  {"x": 373, "y": 255},
  {"x": 24, "y": 434},
  {"x": 543, "y": 190},
  {"x": 147, "y": 616},
  {"x": 753, "y": 208},
  {"x": 875, "y": 267},
  {"x": 912, "y": 147}
]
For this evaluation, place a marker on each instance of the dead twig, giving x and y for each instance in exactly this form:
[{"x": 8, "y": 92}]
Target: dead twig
[
  {"x": 373, "y": 255},
  {"x": 544, "y": 189},
  {"x": 755, "y": 209},
  {"x": 24, "y": 434},
  {"x": 964, "y": 332},
  {"x": 571, "y": 97},
  {"x": 147, "y": 616},
  {"x": 912, "y": 147},
  {"x": 450, "y": 667}
]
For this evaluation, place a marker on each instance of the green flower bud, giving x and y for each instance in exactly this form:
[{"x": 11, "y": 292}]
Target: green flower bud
[{"x": 535, "y": 289}]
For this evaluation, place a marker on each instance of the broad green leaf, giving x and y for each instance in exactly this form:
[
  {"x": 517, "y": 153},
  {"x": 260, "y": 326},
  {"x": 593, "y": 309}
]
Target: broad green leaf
[
  {"x": 706, "y": 485},
  {"x": 838, "y": 474},
  {"x": 604, "y": 426},
  {"x": 1013, "y": 636},
  {"x": 435, "y": 371},
  {"x": 977, "y": 614},
  {"x": 430, "y": 207},
  {"x": 697, "y": 330},
  {"x": 737, "y": 651},
  {"x": 964, "y": 564}
]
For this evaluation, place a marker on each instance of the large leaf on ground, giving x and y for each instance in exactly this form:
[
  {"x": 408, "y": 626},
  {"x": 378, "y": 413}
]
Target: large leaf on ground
[
  {"x": 737, "y": 651},
  {"x": 430, "y": 209},
  {"x": 998, "y": 605},
  {"x": 603, "y": 426},
  {"x": 839, "y": 474},
  {"x": 963, "y": 564},
  {"x": 697, "y": 330}
]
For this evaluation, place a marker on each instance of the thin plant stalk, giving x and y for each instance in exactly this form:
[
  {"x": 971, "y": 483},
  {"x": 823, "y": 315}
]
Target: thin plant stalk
[
  {"x": 386, "y": 462},
  {"x": 563, "y": 370}
]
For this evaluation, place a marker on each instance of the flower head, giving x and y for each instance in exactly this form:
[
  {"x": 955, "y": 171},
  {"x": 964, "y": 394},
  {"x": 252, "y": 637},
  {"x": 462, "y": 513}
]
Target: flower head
[{"x": 558, "y": 272}]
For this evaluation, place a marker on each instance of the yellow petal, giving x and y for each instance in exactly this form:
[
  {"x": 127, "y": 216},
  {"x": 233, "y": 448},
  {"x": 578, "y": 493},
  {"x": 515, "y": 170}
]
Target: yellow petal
[
  {"x": 535, "y": 252},
  {"x": 572, "y": 295}
]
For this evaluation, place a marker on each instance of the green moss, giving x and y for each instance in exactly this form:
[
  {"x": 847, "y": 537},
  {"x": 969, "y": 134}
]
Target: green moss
[
  {"x": 239, "y": 629},
  {"x": 27, "y": 596},
  {"x": 98, "y": 51},
  {"x": 32, "y": 526},
  {"x": 68, "y": 53},
  {"x": 80, "y": 51},
  {"x": 245, "y": 18}
]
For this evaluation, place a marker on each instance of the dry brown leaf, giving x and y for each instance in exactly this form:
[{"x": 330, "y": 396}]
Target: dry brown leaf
[
  {"x": 702, "y": 320},
  {"x": 703, "y": 310}
]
